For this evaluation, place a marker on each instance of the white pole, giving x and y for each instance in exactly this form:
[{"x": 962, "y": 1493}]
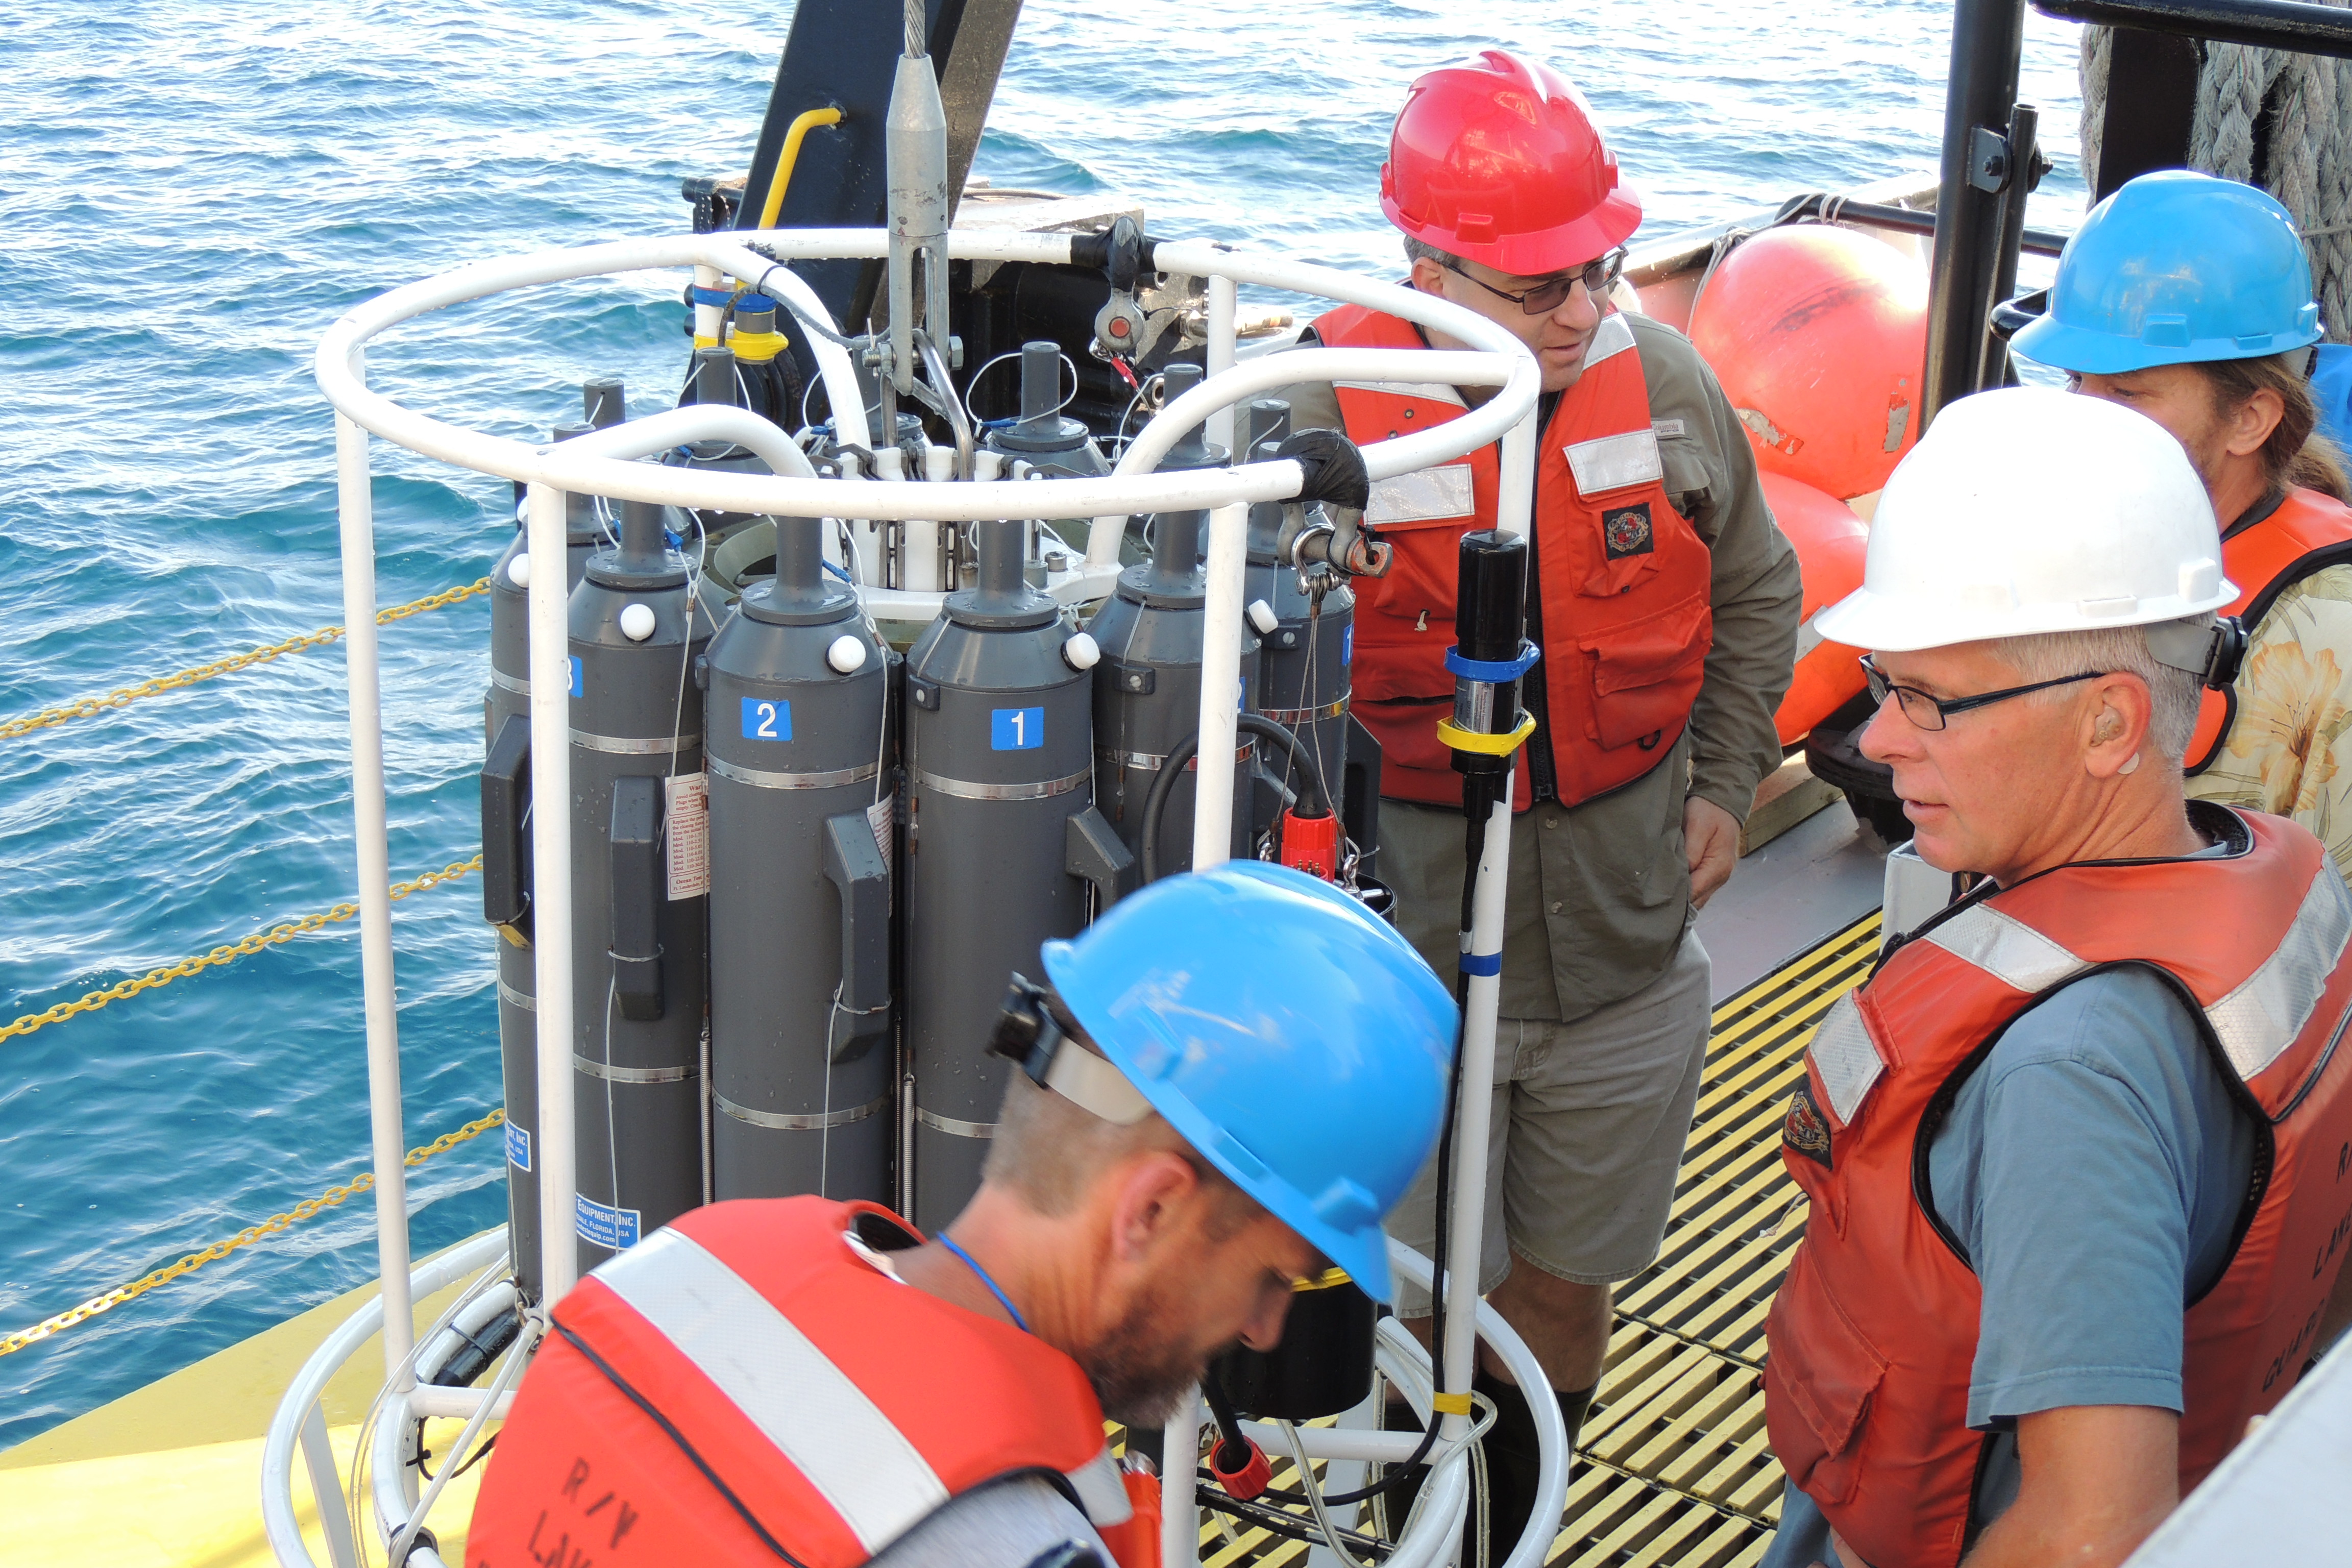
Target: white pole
[
  {"x": 387, "y": 1133},
  {"x": 1471, "y": 1125},
  {"x": 551, "y": 854},
  {"x": 1221, "y": 686},
  {"x": 1180, "y": 1516},
  {"x": 1221, "y": 301}
]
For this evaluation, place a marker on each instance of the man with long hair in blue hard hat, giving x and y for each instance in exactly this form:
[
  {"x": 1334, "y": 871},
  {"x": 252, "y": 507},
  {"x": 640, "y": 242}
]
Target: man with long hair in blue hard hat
[
  {"x": 2189, "y": 298},
  {"x": 1231, "y": 1078}
]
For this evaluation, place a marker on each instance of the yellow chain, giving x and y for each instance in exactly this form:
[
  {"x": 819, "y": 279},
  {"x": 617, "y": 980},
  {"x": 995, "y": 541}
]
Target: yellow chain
[
  {"x": 130, "y": 694},
  {"x": 92, "y": 1001},
  {"x": 245, "y": 1237}
]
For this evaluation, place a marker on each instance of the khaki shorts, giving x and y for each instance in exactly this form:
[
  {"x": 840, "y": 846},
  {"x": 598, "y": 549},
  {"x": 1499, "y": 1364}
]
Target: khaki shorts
[{"x": 1587, "y": 1136}]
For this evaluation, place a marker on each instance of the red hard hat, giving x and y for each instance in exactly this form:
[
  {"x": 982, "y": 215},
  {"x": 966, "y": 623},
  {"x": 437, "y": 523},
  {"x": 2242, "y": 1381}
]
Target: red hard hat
[{"x": 1500, "y": 163}]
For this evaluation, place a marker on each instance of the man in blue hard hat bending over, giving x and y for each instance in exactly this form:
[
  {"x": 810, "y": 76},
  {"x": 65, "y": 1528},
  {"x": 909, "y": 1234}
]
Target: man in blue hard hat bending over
[
  {"x": 2189, "y": 299},
  {"x": 1231, "y": 1078}
]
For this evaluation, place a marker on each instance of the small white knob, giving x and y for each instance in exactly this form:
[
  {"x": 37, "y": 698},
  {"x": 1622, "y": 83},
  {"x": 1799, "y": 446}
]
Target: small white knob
[
  {"x": 846, "y": 655},
  {"x": 1261, "y": 617},
  {"x": 636, "y": 622},
  {"x": 1081, "y": 652},
  {"x": 938, "y": 464},
  {"x": 519, "y": 571}
]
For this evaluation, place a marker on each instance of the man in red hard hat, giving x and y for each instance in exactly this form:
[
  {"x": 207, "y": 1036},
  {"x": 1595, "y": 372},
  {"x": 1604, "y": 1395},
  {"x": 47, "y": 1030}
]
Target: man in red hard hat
[{"x": 1665, "y": 603}]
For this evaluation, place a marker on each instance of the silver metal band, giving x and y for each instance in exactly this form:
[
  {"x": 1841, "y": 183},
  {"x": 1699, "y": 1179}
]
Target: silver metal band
[
  {"x": 633, "y": 1075},
  {"x": 970, "y": 791},
  {"x": 622, "y": 747},
  {"x": 508, "y": 993},
  {"x": 759, "y": 778},
  {"x": 1306, "y": 715},
  {"x": 514, "y": 683},
  {"x": 949, "y": 1125},
  {"x": 800, "y": 1123},
  {"x": 1149, "y": 762}
]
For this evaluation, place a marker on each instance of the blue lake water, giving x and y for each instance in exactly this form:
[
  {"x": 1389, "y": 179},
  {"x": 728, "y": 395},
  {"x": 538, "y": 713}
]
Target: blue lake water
[{"x": 190, "y": 193}]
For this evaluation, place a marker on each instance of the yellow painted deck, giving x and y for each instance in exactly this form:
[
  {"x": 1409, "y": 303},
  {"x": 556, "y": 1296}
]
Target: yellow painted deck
[
  {"x": 170, "y": 1476},
  {"x": 1674, "y": 1471}
]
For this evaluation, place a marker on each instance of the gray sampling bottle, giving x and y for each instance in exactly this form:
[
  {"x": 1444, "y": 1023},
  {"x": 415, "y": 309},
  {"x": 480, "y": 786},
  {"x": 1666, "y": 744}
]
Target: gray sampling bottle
[
  {"x": 1147, "y": 698},
  {"x": 1003, "y": 846},
  {"x": 803, "y": 767},
  {"x": 639, "y": 872}
]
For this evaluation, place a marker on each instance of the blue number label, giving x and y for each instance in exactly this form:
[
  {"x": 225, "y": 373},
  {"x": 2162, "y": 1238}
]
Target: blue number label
[
  {"x": 1016, "y": 729},
  {"x": 1348, "y": 646},
  {"x": 576, "y": 682},
  {"x": 765, "y": 720}
]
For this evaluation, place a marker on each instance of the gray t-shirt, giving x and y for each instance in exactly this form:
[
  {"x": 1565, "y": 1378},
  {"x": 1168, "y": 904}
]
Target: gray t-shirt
[{"x": 2092, "y": 1171}]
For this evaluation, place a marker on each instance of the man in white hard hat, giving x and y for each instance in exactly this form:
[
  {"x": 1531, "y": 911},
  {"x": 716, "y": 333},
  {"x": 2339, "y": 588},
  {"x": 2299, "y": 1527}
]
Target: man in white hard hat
[{"x": 2100, "y": 1086}]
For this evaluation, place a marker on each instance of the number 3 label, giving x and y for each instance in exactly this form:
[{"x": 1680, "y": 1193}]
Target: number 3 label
[
  {"x": 1016, "y": 729},
  {"x": 767, "y": 720}
]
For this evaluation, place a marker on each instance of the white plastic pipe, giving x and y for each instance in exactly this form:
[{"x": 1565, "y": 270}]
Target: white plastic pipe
[
  {"x": 278, "y": 1520},
  {"x": 1180, "y": 1516},
  {"x": 1474, "y": 1112},
  {"x": 1221, "y": 683},
  {"x": 356, "y": 508},
  {"x": 550, "y": 663},
  {"x": 1220, "y": 356},
  {"x": 762, "y": 438}
]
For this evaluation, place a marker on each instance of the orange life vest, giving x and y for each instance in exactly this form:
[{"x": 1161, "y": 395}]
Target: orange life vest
[
  {"x": 743, "y": 1380},
  {"x": 1627, "y": 617},
  {"x": 2308, "y": 532},
  {"x": 1874, "y": 1334}
]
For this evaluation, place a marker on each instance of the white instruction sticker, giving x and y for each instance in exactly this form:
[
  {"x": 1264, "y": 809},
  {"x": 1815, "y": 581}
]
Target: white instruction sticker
[
  {"x": 686, "y": 803},
  {"x": 881, "y": 817}
]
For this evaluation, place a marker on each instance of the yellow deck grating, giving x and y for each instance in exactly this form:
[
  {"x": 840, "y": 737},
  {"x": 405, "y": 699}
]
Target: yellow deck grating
[
  {"x": 1674, "y": 1471},
  {"x": 1672, "y": 1467}
]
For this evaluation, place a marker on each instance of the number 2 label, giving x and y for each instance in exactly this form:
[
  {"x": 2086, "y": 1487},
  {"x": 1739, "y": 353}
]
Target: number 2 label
[{"x": 766, "y": 719}]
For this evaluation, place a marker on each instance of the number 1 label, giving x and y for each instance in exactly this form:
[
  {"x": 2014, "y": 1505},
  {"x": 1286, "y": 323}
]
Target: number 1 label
[{"x": 1016, "y": 729}]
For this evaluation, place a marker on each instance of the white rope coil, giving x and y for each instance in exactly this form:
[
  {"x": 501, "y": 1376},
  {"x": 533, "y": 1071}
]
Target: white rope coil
[{"x": 2306, "y": 161}]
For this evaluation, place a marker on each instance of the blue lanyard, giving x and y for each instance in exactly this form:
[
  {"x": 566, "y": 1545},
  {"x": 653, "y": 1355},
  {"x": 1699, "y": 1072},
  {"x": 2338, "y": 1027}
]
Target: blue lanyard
[{"x": 994, "y": 1289}]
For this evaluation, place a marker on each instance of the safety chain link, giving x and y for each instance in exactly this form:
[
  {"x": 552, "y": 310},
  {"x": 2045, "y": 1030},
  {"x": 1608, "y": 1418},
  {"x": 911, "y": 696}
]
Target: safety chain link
[
  {"x": 90, "y": 1002},
  {"x": 306, "y": 1209},
  {"x": 87, "y": 706}
]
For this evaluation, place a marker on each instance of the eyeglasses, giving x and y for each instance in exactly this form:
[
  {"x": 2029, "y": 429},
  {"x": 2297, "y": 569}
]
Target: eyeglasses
[
  {"x": 1932, "y": 712},
  {"x": 1598, "y": 278}
]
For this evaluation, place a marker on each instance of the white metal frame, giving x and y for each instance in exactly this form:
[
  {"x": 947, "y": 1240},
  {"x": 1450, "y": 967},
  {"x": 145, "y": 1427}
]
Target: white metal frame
[{"x": 596, "y": 464}]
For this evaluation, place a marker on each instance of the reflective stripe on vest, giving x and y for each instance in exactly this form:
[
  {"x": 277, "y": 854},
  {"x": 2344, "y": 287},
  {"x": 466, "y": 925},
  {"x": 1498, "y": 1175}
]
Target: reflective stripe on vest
[
  {"x": 1873, "y": 1336},
  {"x": 798, "y": 1399},
  {"x": 1626, "y": 581}
]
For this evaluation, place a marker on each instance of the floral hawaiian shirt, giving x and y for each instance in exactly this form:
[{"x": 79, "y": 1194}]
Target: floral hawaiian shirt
[{"x": 2288, "y": 751}]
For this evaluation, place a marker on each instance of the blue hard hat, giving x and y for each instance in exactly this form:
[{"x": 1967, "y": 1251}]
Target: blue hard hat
[
  {"x": 2175, "y": 267},
  {"x": 1296, "y": 1041}
]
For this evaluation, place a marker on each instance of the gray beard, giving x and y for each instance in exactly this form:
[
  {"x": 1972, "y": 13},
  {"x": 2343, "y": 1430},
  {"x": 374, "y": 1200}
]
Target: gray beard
[{"x": 1139, "y": 1376}]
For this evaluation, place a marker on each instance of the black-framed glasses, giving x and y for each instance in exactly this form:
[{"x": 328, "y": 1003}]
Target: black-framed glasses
[
  {"x": 1932, "y": 712},
  {"x": 1598, "y": 278}
]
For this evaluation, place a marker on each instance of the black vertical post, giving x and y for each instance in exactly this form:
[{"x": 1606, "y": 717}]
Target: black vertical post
[
  {"x": 2024, "y": 126},
  {"x": 1988, "y": 39}
]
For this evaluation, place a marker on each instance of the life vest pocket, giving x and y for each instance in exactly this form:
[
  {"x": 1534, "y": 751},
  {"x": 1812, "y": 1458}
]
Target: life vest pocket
[
  {"x": 1645, "y": 674},
  {"x": 1822, "y": 1372}
]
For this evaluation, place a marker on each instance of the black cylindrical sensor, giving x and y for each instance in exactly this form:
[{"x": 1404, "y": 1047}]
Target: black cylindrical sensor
[{"x": 1489, "y": 623}]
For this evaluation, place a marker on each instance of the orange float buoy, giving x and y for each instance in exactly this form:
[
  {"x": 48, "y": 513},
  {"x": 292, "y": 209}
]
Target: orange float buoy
[
  {"x": 1830, "y": 544},
  {"x": 1817, "y": 334}
]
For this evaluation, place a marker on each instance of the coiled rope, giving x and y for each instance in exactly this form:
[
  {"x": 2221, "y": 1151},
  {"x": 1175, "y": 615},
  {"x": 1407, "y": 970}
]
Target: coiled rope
[
  {"x": 87, "y": 706},
  {"x": 2308, "y": 164},
  {"x": 306, "y": 1209},
  {"x": 286, "y": 931}
]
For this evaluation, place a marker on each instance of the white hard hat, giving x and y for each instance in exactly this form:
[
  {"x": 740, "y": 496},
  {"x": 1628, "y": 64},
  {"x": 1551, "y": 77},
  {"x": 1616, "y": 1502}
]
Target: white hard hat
[{"x": 2026, "y": 510}]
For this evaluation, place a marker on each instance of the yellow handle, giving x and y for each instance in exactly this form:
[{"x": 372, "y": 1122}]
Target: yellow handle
[
  {"x": 1460, "y": 740},
  {"x": 783, "y": 177}
]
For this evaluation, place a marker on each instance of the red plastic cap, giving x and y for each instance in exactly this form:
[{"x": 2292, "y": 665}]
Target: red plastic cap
[
  {"x": 1500, "y": 163},
  {"x": 1250, "y": 1479},
  {"x": 1311, "y": 843}
]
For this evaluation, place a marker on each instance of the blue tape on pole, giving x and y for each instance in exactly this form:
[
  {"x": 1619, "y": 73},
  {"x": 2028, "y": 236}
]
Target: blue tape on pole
[
  {"x": 713, "y": 296},
  {"x": 1493, "y": 671},
  {"x": 1482, "y": 964}
]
